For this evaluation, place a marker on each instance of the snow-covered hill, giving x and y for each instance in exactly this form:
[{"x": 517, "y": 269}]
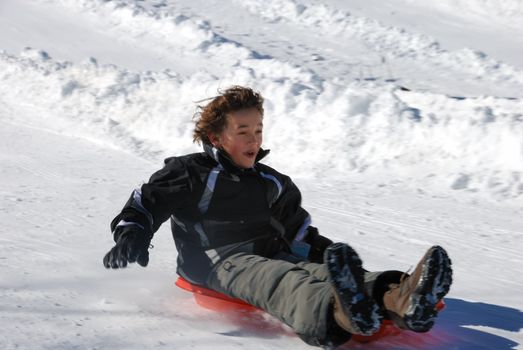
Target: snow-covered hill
[{"x": 413, "y": 110}]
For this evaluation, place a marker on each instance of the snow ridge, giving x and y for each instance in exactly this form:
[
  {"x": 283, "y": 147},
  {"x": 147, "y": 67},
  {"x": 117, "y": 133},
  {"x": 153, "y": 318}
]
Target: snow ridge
[
  {"x": 172, "y": 33},
  {"x": 473, "y": 144}
]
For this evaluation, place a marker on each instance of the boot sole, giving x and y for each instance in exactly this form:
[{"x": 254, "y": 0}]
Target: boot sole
[
  {"x": 347, "y": 276},
  {"x": 434, "y": 284}
]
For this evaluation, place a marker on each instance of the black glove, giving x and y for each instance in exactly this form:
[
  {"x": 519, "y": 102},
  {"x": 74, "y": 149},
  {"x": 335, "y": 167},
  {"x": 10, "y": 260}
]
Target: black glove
[
  {"x": 131, "y": 246},
  {"x": 318, "y": 244}
]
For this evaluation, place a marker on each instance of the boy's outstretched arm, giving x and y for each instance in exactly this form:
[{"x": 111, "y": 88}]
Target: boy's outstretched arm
[{"x": 147, "y": 208}]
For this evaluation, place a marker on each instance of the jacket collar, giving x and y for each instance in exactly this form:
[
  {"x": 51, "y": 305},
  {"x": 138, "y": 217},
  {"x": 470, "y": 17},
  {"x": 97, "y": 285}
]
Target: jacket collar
[{"x": 224, "y": 160}]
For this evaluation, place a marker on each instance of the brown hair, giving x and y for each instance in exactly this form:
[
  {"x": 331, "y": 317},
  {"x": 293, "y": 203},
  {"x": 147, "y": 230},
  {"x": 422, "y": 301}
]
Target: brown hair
[{"x": 211, "y": 118}]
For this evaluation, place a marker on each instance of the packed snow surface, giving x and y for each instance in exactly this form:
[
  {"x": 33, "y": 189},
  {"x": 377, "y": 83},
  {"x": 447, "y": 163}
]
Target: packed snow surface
[{"x": 401, "y": 122}]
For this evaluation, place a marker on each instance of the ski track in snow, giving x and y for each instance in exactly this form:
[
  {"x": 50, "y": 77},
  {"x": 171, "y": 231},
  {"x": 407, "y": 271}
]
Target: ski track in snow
[{"x": 107, "y": 91}]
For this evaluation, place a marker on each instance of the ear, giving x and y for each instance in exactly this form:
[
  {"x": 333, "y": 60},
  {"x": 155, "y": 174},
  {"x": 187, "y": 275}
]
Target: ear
[{"x": 215, "y": 140}]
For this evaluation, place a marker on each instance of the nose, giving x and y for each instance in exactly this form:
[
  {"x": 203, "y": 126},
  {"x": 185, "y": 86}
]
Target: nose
[{"x": 253, "y": 138}]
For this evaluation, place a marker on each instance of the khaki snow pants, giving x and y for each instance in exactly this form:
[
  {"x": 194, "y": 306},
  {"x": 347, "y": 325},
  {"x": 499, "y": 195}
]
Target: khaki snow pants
[{"x": 299, "y": 294}]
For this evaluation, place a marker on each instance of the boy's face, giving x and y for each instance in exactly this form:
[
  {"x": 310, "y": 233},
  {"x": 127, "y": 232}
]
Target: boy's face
[{"x": 242, "y": 136}]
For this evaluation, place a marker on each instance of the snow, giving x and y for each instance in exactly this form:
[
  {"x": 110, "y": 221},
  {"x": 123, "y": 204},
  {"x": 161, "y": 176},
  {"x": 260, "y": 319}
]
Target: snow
[{"x": 401, "y": 122}]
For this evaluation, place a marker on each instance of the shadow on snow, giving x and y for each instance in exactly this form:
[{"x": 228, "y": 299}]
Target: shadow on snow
[{"x": 451, "y": 330}]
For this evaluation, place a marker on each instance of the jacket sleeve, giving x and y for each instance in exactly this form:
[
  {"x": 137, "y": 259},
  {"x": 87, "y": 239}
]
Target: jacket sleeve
[
  {"x": 287, "y": 210},
  {"x": 155, "y": 201}
]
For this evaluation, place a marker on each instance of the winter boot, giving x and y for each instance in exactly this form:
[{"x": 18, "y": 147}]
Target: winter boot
[
  {"x": 411, "y": 304},
  {"x": 354, "y": 310}
]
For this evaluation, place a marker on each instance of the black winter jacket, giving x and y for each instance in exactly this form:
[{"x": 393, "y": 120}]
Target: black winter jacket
[{"x": 217, "y": 209}]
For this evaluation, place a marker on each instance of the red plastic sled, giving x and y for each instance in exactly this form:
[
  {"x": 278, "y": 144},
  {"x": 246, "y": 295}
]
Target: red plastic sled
[{"x": 212, "y": 300}]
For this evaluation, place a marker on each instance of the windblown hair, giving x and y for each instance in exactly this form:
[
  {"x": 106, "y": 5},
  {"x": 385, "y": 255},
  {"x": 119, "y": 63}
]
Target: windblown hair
[{"x": 212, "y": 117}]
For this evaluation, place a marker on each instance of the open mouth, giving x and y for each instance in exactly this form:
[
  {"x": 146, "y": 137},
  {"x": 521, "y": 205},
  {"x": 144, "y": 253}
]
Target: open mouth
[{"x": 250, "y": 154}]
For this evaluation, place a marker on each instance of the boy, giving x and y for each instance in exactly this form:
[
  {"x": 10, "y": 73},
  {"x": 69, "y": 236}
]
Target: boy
[{"x": 239, "y": 229}]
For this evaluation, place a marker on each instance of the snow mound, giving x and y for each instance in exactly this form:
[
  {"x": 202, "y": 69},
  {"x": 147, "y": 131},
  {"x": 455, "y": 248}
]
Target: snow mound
[
  {"x": 168, "y": 32},
  {"x": 424, "y": 139}
]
